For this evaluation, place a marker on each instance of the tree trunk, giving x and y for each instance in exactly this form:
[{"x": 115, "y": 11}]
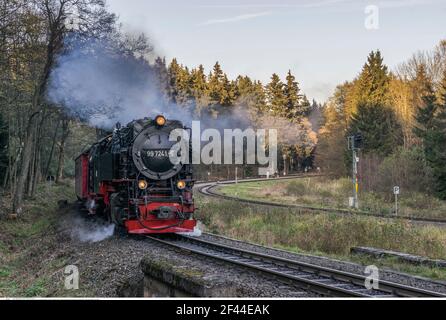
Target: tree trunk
[
  {"x": 50, "y": 158},
  {"x": 30, "y": 180},
  {"x": 6, "y": 178},
  {"x": 54, "y": 44},
  {"x": 60, "y": 166},
  {"x": 36, "y": 170},
  {"x": 32, "y": 165},
  {"x": 13, "y": 171},
  {"x": 26, "y": 159}
]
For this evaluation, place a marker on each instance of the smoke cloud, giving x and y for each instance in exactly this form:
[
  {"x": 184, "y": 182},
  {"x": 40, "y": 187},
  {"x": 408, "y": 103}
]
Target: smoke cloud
[
  {"x": 102, "y": 86},
  {"x": 90, "y": 231},
  {"x": 97, "y": 82}
]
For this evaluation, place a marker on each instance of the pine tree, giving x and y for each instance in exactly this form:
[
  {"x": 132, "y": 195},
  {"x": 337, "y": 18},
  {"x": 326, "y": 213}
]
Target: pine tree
[
  {"x": 173, "y": 74},
  {"x": 425, "y": 116},
  {"x": 305, "y": 106},
  {"x": 259, "y": 97},
  {"x": 371, "y": 114},
  {"x": 379, "y": 127},
  {"x": 250, "y": 94},
  {"x": 421, "y": 86},
  {"x": 199, "y": 83},
  {"x": 227, "y": 95},
  {"x": 244, "y": 86},
  {"x": 184, "y": 87},
  {"x": 292, "y": 98},
  {"x": 373, "y": 82},
  {"x": 430, "y": 128},
  {"x": 276, "y": 96},
  {"x": 216, "y": 85},
  {"x": 180, "y": 84},
  {"x": 199, "y": 88}
]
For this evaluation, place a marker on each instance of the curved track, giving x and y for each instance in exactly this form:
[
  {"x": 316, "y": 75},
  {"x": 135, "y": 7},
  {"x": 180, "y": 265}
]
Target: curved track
[
  {"x": 208, "y": 189},
  {"x": 321, "y": 280}
]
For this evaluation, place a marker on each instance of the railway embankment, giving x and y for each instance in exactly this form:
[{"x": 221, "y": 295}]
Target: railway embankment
[
  {"x": 48, "y": 245},
  {"x": 37, "y": 248},
  {"x": 172, "y": 272},
  {"x": 323, "y": 233}
]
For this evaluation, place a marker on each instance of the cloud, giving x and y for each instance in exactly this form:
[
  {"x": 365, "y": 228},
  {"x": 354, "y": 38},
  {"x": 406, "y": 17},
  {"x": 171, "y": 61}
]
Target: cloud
[
  {"x": 326, "y": 3},
  {"x": 242, "y": 17},
  {"x": 308, "y": 4},
  {"x": 320, "y": 91},
  {"x": 403, "y": 3}
]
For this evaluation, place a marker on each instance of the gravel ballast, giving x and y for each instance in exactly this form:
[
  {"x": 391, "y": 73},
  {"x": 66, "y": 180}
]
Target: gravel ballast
[
  {"x": 384, "y": 273},
  {"x": 111, "y": 267}
]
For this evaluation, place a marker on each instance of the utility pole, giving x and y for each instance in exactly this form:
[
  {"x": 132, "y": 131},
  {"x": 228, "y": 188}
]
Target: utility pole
[
  {"x": 354, "y": 144},
  {"x": 236, "y": 178},
  {"x": 396, "y": 192},
  {"x": 284, "y": 164},
  {"x": 355, "y": 178}
]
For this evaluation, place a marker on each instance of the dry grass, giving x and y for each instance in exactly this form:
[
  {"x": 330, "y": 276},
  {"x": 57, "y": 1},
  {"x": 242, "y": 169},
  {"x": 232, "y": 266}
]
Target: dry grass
[
  {"x": 326, "y": 234},
  {"x": 320, "y": 232},
  {"x": 334, "y": 193}
]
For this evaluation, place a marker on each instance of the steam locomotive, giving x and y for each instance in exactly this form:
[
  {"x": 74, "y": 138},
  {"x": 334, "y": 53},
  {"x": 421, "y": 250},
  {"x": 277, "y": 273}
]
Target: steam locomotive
[{"x": 128, "y": 178}]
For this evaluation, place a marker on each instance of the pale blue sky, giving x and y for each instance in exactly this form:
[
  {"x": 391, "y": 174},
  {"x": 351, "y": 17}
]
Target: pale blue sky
[{"x": 323, "y": 42}]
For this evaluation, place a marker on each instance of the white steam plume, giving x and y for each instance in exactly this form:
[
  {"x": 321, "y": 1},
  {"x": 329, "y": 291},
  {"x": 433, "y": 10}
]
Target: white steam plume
[{"x": 101, "y": 86}]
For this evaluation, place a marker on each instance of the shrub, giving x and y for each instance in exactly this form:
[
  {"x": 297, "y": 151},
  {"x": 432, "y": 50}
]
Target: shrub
[
  {"x": 296, "y": 188},
  {"x": 406, "y": 168}
]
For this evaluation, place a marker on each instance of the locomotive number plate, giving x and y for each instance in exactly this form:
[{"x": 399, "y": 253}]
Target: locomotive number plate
[{"x": 158, "y": 153}]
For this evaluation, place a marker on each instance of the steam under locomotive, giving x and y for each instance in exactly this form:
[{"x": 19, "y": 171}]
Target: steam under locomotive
[{"x": 129, "y": 178}]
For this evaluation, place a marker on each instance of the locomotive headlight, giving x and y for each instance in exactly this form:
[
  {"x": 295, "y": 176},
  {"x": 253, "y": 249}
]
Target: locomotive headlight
[
  {"x": 160, "y": 120},
  {"x": 181, "y": 184},
  {"x": 142, "y": 184}
]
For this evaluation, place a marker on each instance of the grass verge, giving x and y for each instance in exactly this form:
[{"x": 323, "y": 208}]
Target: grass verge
[
  {"x": 334, "y": 193},
  {"x": 27, "y": 244},
  {"x": 323, "y": 234}
]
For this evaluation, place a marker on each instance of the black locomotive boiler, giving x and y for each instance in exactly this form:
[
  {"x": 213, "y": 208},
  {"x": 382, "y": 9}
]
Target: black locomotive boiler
[{"x": 129, "y": 178}]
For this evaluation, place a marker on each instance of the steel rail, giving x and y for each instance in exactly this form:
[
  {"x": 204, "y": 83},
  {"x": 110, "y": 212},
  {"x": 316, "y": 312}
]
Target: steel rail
[{"x": 322, "y": 280}]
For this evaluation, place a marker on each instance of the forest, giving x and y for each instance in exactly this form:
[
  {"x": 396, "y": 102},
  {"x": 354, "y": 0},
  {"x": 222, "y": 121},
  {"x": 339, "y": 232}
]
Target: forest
[{"x": 400, "y": 113}]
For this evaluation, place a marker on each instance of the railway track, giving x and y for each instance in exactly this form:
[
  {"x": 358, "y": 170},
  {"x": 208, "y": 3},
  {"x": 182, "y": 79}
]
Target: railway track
[
  {"x": 321, "y": 280},
  {"x": 208, "y": 189}
]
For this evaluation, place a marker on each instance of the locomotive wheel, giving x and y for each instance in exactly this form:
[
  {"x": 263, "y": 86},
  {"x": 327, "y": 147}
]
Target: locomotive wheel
[
  {"x": 115, "y": 210},
  {"x": 120, "y": 231},
  {"x": 108, "y": 215}
]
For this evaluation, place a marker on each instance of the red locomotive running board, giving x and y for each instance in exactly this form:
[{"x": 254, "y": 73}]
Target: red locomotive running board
[
  {"x": 149, "y": 223},
  {"x": 159, "y": 226}
]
